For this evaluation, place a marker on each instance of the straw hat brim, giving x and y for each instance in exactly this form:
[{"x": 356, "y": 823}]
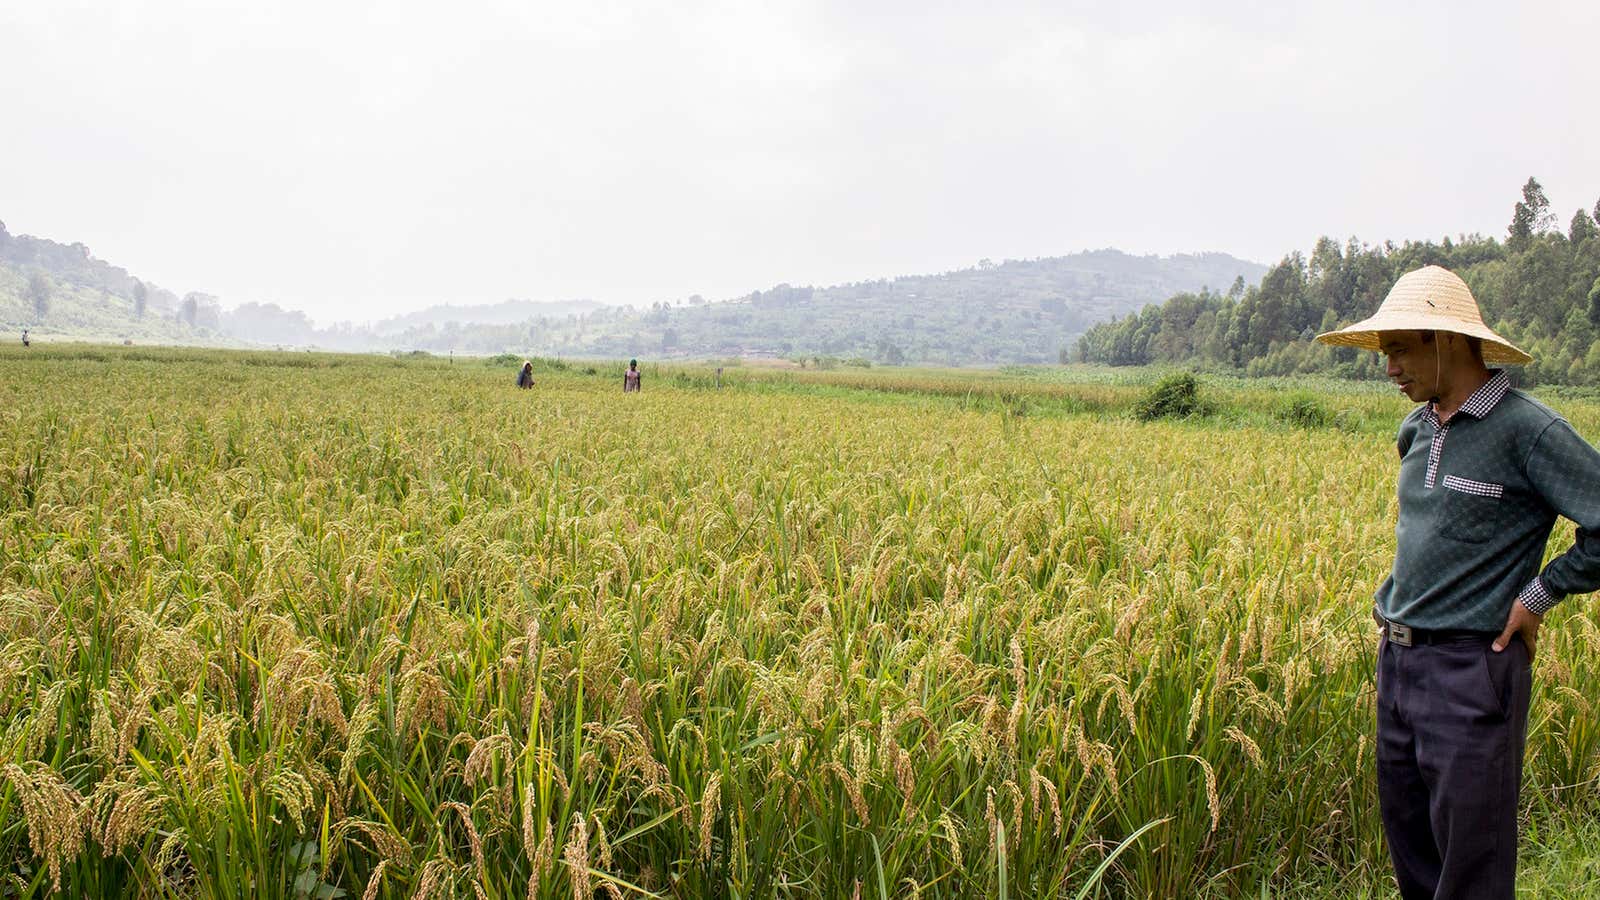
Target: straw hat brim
[{"x": 1365, "y": 335}]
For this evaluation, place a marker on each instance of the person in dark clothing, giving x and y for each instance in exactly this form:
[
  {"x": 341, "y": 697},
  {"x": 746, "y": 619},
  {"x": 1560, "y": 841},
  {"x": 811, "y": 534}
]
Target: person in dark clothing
[
  {"x": 631, "y": 378},
  {"x": 1484, "y": 472},
  {"x": 525, "y": 375}
]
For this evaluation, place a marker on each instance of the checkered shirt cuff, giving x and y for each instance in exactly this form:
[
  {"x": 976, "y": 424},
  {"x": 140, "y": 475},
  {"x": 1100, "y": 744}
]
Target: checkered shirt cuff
[{"x": 1536, "y": 598}]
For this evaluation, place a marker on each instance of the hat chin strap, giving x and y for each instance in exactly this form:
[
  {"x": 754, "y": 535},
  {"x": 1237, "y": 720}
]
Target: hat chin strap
[{"x": 1438, "y": 365}]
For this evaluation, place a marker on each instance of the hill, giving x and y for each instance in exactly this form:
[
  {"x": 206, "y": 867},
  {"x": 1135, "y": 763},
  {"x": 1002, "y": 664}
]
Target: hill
[
  {"x": 62, "y": 289},
  {"x": 1016, "y": 311}
]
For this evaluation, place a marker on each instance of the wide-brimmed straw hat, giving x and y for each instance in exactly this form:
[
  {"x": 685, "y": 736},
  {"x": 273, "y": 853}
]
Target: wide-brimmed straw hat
[{"x": 1431, "y": 298}]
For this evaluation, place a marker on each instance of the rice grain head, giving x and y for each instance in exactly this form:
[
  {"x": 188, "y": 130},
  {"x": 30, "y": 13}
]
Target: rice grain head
[
  {"x": 1038, "y": 780},
  {"x": 952, "y": 838},
  {"x": 905, "y": 778},
  {"x": 1213, "y": 801},
  {"x": 436, "y": 874},
  {"x": 710, "y": 806},
  {"x": 375, "y": 880},
  {"x": 576, "y": 856},
  {"x": 130, "y": 812},
  {"x": 1249, "y": 746},
  {"x": 1196, "y": 706},
  {"x": 474, "y": 840},
  {"x": 54, "y": 813},
  {"x": 852, "y": 788},
  {"x": 602, "y": 843}
]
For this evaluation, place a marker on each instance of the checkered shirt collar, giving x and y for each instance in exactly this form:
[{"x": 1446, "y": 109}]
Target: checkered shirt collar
[{"x": 1483, "y": 399}]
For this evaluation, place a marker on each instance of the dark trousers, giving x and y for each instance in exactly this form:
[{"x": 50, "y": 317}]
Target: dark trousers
[{"x": 1452, "y": 722}]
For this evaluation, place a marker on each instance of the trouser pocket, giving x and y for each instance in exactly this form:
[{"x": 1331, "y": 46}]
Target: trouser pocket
[
  {"x": 1465, "y": 682},
  {"x": 1502, "y": 671}
]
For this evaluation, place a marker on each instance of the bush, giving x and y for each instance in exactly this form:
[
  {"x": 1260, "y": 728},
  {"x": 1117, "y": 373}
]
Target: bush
[
  {"x": 1305, "y": 411},
  {"x": 1173, "y": 397}
]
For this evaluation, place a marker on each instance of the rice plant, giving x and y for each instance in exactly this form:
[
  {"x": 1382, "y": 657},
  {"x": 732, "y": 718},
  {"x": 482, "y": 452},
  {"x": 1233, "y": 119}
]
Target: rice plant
[{"x": 367, "y": 627}]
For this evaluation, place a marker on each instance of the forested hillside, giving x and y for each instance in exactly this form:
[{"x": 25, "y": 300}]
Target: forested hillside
[
  {"x": 62, "y": 289},
  {"x": 1540, "y": 287},
  {"x": 1018, "y": 311}
]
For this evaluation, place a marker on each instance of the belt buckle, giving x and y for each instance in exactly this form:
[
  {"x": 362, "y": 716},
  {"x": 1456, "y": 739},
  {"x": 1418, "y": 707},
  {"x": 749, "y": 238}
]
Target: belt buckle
[{"x": 1399, "y": 634}]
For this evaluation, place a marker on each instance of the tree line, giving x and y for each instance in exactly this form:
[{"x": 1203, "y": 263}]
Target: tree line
[{"x": 1540, "y": 287}]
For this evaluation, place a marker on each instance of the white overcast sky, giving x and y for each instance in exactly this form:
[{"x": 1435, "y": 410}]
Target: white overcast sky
[{"x": 359, "y": 159}]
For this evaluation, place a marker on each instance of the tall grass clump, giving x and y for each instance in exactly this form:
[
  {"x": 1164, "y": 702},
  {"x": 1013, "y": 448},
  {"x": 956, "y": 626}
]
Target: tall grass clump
[
  {"x": 1305, "y": 411},
  {"x": 1176, "y": 396}
]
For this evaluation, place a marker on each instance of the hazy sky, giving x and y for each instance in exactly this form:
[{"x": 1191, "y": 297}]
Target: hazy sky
[{"x": 358, "y": 159}]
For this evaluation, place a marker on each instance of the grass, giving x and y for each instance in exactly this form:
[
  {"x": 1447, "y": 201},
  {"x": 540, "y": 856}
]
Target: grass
[{"x": 291, "y": 625}]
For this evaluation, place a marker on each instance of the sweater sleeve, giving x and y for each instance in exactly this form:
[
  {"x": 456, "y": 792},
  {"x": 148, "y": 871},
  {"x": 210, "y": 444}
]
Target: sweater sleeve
[{"x": 1565, "y": 470}]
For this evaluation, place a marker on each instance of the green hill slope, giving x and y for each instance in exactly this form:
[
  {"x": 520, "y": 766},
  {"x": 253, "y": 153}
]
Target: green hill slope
[
  {"x": 1018, "y": 311},
  {"x": 62, "y": 290}
]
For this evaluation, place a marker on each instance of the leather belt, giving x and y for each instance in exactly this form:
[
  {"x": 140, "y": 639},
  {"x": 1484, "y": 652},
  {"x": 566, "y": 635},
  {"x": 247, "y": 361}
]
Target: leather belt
[{"x": 1406, "y": 636}]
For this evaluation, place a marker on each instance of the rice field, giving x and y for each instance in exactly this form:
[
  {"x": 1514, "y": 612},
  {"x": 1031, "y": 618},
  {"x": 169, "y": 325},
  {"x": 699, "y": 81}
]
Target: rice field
[{"x": 304, "y": 626}]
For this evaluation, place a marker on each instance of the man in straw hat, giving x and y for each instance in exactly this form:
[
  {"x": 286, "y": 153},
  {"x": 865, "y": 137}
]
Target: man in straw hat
[{"x": 1484, "y": 471}]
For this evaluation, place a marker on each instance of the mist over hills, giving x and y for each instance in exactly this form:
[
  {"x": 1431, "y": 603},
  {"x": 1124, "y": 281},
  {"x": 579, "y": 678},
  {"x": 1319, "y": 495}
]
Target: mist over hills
[
  {"x": 1016, "y": 311},
  {"x": 508, "y": 312}
]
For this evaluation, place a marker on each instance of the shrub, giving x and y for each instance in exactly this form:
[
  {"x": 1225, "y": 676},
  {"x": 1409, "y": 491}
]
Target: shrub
[
  {"x": 1305, "y": 411},
  {"x": 1173, "y": 397}
]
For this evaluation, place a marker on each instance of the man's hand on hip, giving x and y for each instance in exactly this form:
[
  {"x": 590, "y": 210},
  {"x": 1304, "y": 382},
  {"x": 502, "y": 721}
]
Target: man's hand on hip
[{"x": 1522, "y": 622}]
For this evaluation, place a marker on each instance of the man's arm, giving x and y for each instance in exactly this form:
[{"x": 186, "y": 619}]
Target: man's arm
[{"x": 1565, "y": 470}]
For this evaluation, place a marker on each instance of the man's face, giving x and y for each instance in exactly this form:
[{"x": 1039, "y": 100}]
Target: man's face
[{"x": 1413, "y": 363}]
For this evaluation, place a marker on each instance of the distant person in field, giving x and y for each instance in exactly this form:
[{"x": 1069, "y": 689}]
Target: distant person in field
[
  {"x": 525, "y": 375},
  {"x": 1484, "y": 471},
  {"x": 631, "y": 378},
  {"x": 25, "y": 337}
]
